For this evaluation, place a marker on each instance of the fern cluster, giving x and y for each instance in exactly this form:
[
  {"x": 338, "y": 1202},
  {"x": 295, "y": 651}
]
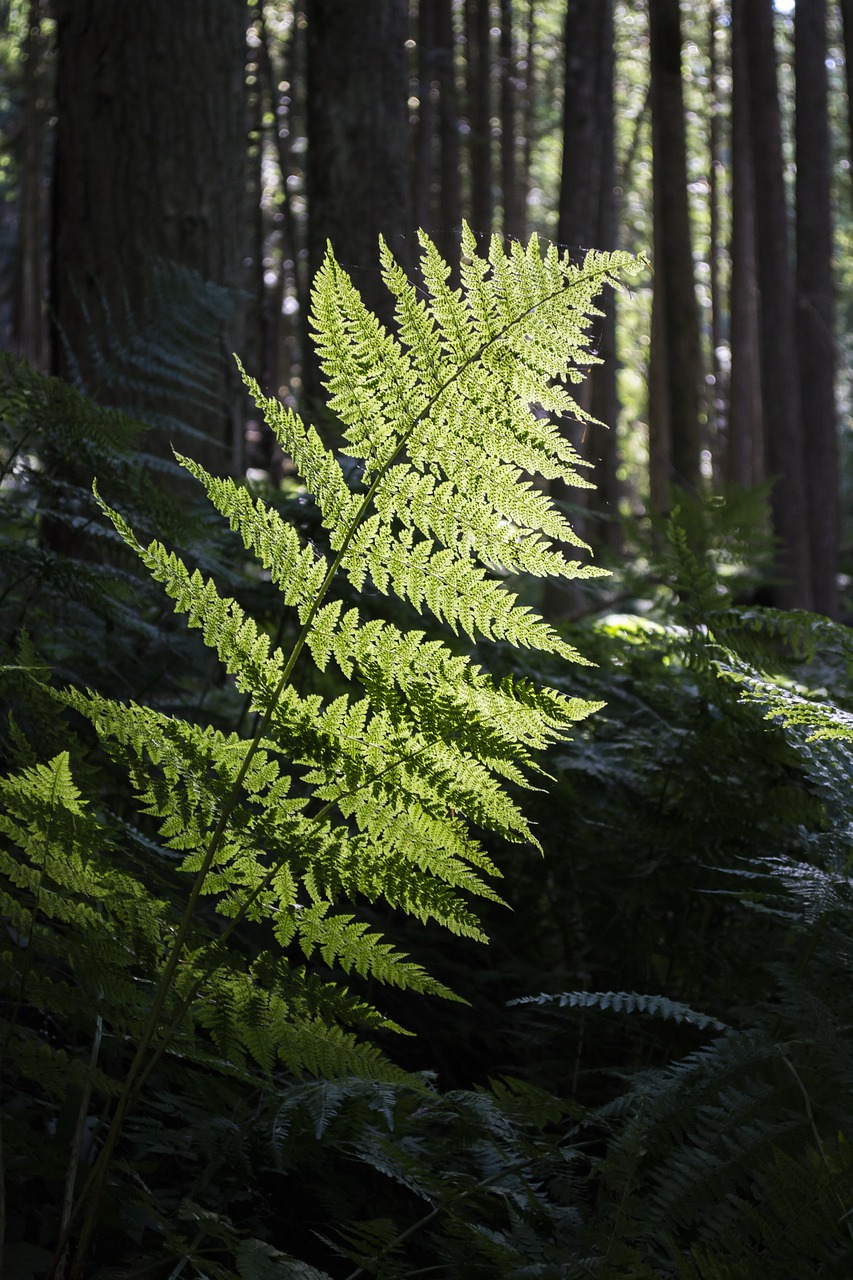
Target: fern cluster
[
  {"x": 732, "y": 897},
  {"x": 267, "y": 845}
]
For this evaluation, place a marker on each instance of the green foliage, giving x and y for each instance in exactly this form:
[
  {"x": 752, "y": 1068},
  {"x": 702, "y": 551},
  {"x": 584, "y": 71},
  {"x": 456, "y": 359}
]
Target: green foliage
[
  {"x": 719, "y": 848},
  {"x": 224, "y": 898},
  {"x": 218, "y": 908}
]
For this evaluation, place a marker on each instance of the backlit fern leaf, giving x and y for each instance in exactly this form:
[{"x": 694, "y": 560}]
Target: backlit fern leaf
[
  {"x": 443, "y": 419},
  {"x": 270, "y": 846}
]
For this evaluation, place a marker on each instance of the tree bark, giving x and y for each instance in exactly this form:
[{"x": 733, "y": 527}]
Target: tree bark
[
  {"x": 449, "y": 171},
  {"x": 586, "y": 218},
  {"x": 604, "y": 397},
  {"x": 678, "y": 308},
  {"x": 479, "y": 70},
  {"x": 150, "y": 169},
  {"x": 815, "y": 307},
  {"x": 422, "y": 174},
  {"x": 745, "y": 441},
  {"x": 513, "y": 227},
  {"x": 659, "y": 415},
  {"x": 580, "y": 179},
  {"x": 528, "y": 107},
  {"x": 847, "y": 27},
  {"x": 780, "y": 379},
  {"x": 716, "y": 400},
  {"x": 29, "y": 312},
  {"x": 358, "y": 177}
]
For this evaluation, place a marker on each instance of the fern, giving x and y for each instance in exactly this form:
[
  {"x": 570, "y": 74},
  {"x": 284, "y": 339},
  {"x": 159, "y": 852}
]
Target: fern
[
  {"x": 285, "y": 835},
  {"x": 625, "y": 1002},
  {"x": 733, "y": 1160}
]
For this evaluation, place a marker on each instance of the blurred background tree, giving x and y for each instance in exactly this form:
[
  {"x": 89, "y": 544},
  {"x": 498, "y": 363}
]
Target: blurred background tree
[
  {"x": 233, "y": 140},
  {"x": 169, "y": 175}
]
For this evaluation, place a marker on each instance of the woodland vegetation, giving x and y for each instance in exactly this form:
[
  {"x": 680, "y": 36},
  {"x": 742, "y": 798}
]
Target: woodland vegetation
[{"x": 425, "y": 813}]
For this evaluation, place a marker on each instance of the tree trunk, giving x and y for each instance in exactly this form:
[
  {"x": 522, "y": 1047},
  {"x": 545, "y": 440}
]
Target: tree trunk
[
  {"x": 580, "y": 181},
  {"x": 528, "y": 108},
  {"x": 587, "y": 214},
  {"x": 604, "y": 398},
  {"x": 678, "y": 308},
  {"x": 660, "y": 443},
  {"x": 358, "y": 177},
  {"x": 745, "y": 438},
  {"x": 150, "y": 182},
  {"x": 815, "y": 311},
  {"x": 512, "y": 203},
  {"x": 847, "y": 25},
  {"x": 780, "y": 380},
  {"x": 716, "y": 397},
  {"x": 449, "y": 171},
  {"x": 422, "y": 174},
  {"x": 29, "y": 314},
  {"x": 478, "y": 37}
]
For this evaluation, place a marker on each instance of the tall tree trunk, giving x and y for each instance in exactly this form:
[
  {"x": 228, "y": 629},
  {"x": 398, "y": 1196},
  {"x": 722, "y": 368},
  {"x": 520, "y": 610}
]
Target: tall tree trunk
[
  {"x": 745, "y": 436},
  {"x": 847, "y": 27},
  {"x": 29, "y": 314},
  {"x": 678, "y": 307},
  {"x": 659, "y": 415},
  {"x": 716, "y": 396},
  {"x": 815, "y": 310},
  {"x": 604, "y": 398},
  {"x": 449, "y": 168},
  {"x": 528, "y": 107},
  {"x": 587, "y": 172},
  {"x": 422, "y": 174},
  {"x": 512, "y": 213},
  {"x": 478, "y": 37},
  {"x": 580, "y": 180},
  {"x": 780, "y": 380},
  {"x": 151, "y": 168},
  {"x": 358, "y": 178}
]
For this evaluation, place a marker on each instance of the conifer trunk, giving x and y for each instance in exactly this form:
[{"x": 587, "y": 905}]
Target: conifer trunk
[
  {"x": 479, "y": 70},
  {"x": 449, "y": 175},
  {"x": 422, "y": 175},
  {"x": 150, "y": 168},
  {"x": 358, "y": 177},
  {"x": 511, "y": 191},
  {"x": 780, "y": 379},
  {"x": 815, "y": 309},
  {"x": 745, "y": 442},
  {"x": 675, "y": 285}
]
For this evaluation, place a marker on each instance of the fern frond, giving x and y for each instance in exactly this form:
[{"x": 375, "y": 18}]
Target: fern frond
[
  {"x": 369, "y": 791},
  {"x": 625, "y": 1002}
]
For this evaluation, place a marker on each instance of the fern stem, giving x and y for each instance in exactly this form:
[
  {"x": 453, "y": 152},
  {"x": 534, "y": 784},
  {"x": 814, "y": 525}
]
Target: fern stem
[{"x": 79, "y": 1129}]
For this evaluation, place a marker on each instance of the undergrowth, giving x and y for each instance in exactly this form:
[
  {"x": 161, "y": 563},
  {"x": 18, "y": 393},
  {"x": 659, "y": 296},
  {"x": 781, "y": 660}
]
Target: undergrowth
[{"x": 210, "y": 833}]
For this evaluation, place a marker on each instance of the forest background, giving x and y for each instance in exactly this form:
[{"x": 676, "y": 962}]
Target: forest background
[{"x": 170, "y": 176}]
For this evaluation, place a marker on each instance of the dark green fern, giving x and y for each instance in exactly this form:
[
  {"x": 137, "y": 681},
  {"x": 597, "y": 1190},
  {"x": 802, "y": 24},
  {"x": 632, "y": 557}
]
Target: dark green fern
[{"x": 283, "y": 835}]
